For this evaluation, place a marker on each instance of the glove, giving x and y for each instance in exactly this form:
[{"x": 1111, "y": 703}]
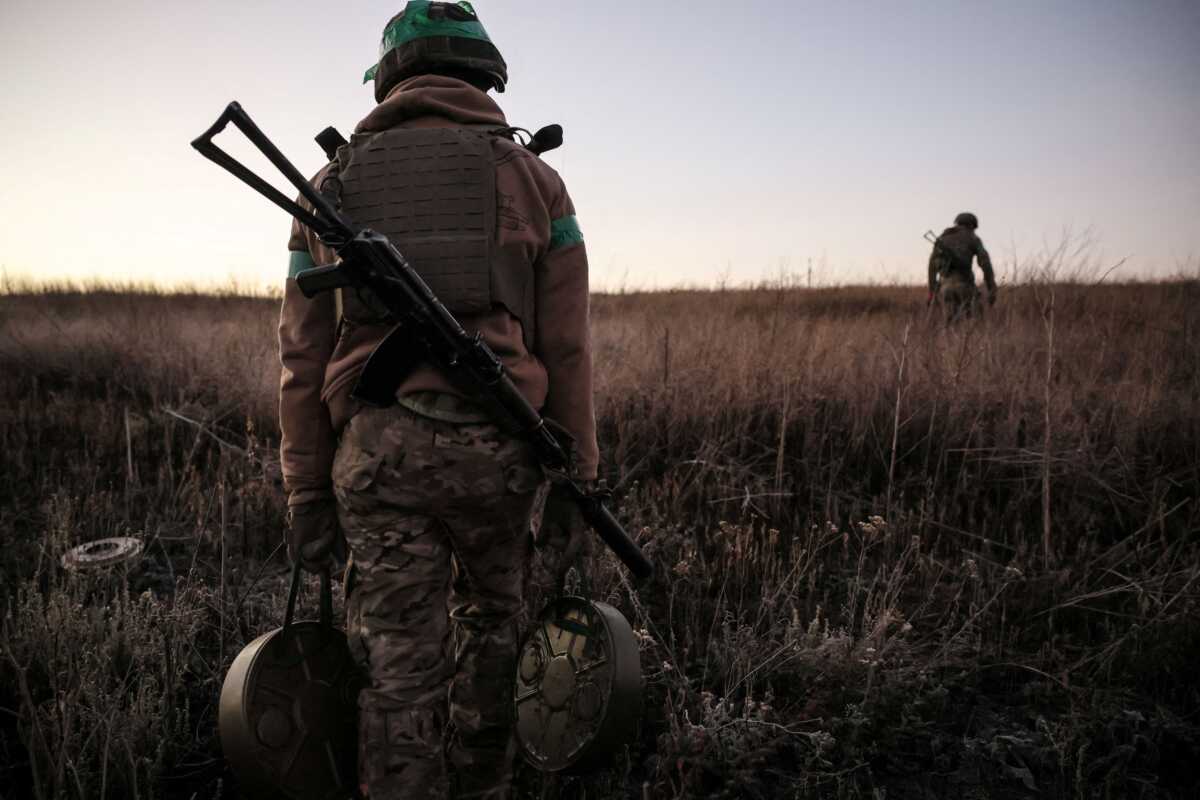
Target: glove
[
  {"x": 992, "y": 295},
  {"x": 313, "y": 535},
  {"x": 563, "y": 537}
]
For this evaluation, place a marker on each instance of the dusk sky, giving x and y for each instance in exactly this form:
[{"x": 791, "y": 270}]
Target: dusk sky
[{"x": 705, "y": 141}]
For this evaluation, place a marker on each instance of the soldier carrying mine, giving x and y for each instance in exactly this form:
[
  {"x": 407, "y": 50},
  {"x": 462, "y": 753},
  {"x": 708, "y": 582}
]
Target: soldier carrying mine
[
  {"x": 950, "y": 271},
  {"x": 432, "y": 498}
]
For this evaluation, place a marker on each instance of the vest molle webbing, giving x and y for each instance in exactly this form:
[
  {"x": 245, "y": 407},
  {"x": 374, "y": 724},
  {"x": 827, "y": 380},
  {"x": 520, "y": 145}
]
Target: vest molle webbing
[{"x": 433, "y": 193}]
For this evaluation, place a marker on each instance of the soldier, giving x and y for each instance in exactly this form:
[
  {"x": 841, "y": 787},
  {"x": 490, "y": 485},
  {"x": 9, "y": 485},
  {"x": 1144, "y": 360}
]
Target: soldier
[
  {"x": 950, "y": 270},
  {"x": 433, "y": 499}
]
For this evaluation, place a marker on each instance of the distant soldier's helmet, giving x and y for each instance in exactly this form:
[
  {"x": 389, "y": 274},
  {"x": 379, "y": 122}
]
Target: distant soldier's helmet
[
  {"x": 967, "y": 220},
  {"x": 434, "y": 37}
]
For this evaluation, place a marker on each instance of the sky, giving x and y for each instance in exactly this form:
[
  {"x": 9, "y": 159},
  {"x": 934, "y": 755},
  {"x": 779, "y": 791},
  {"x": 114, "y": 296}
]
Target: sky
[{"x": 705, "y": 142}]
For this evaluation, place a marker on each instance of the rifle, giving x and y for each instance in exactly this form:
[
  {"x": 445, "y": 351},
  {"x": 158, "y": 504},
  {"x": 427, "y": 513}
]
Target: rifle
[
  {"x": 425, "y": 330},
  {"x": 937, "y": 243}
]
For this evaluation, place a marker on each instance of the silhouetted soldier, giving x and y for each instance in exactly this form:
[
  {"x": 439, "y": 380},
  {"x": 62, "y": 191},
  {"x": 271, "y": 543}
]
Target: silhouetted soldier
[
  {"x": 432, "y": 497},
  {"x": 950, "y": 271}
]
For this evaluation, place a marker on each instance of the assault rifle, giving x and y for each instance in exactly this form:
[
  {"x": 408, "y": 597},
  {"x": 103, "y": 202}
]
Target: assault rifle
[
  {"x": 935, "y": 240},
  {"x": 424, "y": 329},
  {"x": 938, "y": 245}
]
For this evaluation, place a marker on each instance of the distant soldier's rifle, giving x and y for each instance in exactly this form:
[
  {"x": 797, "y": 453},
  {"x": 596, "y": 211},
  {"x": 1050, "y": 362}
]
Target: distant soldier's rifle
[
  {"x": 424, "y": 330},
  {"x": 938, "y": 245}
]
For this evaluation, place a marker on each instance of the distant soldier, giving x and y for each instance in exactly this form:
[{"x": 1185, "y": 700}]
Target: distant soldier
[
  {"x": 432, "y": 497},
  {"x": 950, "y": 271}
]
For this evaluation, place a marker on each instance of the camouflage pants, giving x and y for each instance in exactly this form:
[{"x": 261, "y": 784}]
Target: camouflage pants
[
  {"x": 437, "y": 518},
  {"x": 960, "y": 298}
]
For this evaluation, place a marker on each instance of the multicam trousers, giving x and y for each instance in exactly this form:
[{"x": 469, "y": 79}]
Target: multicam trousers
[{"x": 437, "y": 518}]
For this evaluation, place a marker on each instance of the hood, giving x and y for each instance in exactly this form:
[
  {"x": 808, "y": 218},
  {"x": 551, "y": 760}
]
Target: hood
[{"x": 433, "y": 96}]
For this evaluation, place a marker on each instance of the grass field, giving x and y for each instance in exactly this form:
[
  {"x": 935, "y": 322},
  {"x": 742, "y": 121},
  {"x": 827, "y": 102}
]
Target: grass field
[{"x": 896, "y": 560}]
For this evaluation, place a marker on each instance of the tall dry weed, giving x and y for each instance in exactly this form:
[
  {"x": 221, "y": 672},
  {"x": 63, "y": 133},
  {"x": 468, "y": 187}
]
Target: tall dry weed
[{"x": 894, "y": 556}]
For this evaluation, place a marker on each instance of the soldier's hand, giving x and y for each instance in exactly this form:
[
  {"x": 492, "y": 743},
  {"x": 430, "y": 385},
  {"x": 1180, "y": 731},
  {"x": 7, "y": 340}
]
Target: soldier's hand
[
  {"x": 563, "y": 537},
  {"x": 313, "y": 535},
  {"x": 992, "y": 296}
]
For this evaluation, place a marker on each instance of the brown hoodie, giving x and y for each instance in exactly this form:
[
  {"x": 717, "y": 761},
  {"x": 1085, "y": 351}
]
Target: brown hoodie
[{"x": 321, "y": 362}]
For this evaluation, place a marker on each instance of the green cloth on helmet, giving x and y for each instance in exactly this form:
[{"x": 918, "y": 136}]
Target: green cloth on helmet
[{"x": 414, "y": 23}]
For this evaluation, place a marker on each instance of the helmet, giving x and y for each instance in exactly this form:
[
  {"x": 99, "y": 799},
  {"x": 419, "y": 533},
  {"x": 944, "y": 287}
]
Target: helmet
[
  {"x": 436, "y": 37},
  {"x": 967, "y": 220}
]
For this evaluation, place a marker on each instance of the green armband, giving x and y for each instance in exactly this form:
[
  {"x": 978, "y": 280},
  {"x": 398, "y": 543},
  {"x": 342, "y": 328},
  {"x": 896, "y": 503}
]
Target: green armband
[
  {"x": 565, "y": 232},
  {"x": 298, "y": 261}
]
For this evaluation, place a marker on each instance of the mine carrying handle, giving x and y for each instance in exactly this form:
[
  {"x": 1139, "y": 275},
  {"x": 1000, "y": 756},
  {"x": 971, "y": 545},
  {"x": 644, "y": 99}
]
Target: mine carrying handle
[{"x": 326, "y": 617}]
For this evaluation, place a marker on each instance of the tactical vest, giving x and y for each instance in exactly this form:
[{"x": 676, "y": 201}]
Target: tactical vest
[{"x": 432, "y": 192}]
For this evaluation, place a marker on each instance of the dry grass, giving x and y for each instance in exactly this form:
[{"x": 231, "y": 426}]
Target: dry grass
[{"x": 895, "y": 558}]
